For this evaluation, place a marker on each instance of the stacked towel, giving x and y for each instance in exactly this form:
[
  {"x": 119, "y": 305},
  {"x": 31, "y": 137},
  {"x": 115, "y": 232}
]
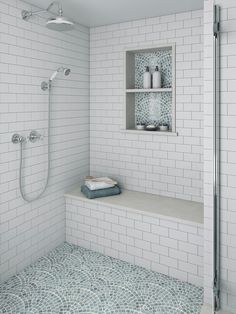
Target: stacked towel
[
  {"x": 115, "y": 190},
  {"x": 99, "y": 183},
  {"x": 100, "y": 187}
]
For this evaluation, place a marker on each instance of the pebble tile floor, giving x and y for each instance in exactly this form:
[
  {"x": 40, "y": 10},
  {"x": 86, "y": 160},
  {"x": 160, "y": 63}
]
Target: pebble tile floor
[{"x": 71, "y": 280}]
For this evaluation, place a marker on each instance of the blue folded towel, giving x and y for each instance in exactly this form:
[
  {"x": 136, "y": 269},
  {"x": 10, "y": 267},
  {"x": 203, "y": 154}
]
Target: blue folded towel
[{"x": 115, "y": 190}]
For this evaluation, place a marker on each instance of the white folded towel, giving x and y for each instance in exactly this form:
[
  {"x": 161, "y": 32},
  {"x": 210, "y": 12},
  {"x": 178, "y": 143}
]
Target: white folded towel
[{"x": 99, "y": 183}]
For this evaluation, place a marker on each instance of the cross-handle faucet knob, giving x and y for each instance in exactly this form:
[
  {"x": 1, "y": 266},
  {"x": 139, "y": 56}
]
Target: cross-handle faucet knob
[
  {"x": 17, "y": 139},
  {"x": 34, "y": 136}
]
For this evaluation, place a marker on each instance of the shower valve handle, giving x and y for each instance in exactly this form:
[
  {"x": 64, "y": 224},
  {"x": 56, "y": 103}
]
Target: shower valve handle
[
  {"x": 17, "y": 139},
  {"x": 34, "y": 136}
]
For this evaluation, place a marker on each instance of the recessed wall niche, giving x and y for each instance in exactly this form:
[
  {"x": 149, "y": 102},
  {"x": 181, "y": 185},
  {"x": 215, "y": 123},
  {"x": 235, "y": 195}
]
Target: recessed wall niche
[{"x": 150, "y": 106}]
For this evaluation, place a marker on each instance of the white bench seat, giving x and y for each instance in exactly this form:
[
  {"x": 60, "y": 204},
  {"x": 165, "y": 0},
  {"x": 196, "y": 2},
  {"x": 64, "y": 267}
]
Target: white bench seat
[
  {"x": 159, "y": 233},
  {"x": 164, "y": 206}
]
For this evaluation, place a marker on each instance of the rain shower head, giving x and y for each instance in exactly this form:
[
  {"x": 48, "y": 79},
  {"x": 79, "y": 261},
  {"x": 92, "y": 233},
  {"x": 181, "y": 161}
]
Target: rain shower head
[{"x": 58, "y": 23}]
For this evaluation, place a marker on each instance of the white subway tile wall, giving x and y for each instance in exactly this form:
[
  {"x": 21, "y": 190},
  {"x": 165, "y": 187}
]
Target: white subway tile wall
[
  {"x": 164, "y": 165},
  {"x": 171, "y": 166},
  {"x": 29, "y": 54},
  {"x": 169, "y": 246},
  {"x": 228, "y": 152}
]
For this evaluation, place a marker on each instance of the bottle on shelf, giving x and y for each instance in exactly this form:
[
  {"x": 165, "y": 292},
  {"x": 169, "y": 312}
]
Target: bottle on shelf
[
  {"x": 156, "y": 78},
  {"x": 147, "y": 79}
]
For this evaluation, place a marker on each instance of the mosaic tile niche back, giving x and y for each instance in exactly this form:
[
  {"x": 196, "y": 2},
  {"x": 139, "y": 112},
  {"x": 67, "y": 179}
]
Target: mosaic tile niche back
[{"x": 154, "y": 107}]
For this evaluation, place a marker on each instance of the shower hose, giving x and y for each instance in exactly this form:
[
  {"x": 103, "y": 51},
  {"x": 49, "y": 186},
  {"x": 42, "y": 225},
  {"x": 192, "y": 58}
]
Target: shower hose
[{"x": 24, "y": 196}]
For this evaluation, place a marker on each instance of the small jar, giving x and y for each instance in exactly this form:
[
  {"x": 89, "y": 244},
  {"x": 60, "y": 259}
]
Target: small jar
[
  {"x": 163, "y": 127},
  {"x": 140, "y": 126}
]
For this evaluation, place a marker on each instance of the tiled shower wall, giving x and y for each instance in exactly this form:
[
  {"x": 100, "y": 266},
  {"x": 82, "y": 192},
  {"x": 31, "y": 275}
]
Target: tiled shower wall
[
  {"x": 29, "y": 54},
  {"x": 164, "y": 244},
  {"x": 159, "y": 164},
  {"x": 228, "y": 151}
]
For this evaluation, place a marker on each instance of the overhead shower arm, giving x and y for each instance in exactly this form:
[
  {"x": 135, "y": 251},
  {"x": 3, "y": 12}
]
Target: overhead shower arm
[
  {"x": 53, "y": 3},
  {"x": 26, "y": 15}
]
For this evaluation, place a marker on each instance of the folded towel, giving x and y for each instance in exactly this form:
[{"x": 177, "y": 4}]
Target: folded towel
[
  {"x": 99, "y": 183},
  {"x": 103, "y": 179},
  {"x": 115, "y": 190}
]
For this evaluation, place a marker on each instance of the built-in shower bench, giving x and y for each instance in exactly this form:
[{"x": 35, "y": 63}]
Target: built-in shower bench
[{"x": 160, "y": 233}]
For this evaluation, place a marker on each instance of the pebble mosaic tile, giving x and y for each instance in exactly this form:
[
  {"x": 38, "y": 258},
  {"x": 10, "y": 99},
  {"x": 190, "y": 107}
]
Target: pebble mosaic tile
[
  {"x": 154, "y": 108},
  {"x": 161, "y": 58},
  {"x": 71, "y": 280}
]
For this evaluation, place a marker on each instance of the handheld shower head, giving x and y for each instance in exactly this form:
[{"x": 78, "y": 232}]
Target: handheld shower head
[
  {"x": 53, "y": 76},
  {"x": 47, "y": 85},
  {"x": 66, "y": 72}
]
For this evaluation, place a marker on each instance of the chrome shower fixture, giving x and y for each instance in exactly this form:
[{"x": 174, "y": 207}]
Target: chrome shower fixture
[
  {"x": 58, "y": 23},
  {"x": 33, "y": 137},
  {"x": 66, "y": 72},
  {"x": 47, "y": 85}
]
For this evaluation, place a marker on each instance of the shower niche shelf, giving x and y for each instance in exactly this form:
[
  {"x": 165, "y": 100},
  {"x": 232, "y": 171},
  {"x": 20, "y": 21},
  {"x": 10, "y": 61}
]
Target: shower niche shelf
[
  {"x": 151, "y": 90},
  {"x": 150, "y": 106}
]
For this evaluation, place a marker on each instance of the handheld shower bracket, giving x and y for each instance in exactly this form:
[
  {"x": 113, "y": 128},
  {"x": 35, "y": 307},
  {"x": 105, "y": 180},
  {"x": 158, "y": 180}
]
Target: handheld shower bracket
[
  {"x": 45, "y": 86},
  {"x": 26, "y": 15}
]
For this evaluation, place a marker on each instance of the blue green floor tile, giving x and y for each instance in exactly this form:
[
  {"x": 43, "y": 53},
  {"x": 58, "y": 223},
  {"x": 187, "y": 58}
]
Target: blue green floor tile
[{"x": 71, "y": 280}]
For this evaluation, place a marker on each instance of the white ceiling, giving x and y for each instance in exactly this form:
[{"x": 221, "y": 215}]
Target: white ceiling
[{"x": 101, "y": 12}]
